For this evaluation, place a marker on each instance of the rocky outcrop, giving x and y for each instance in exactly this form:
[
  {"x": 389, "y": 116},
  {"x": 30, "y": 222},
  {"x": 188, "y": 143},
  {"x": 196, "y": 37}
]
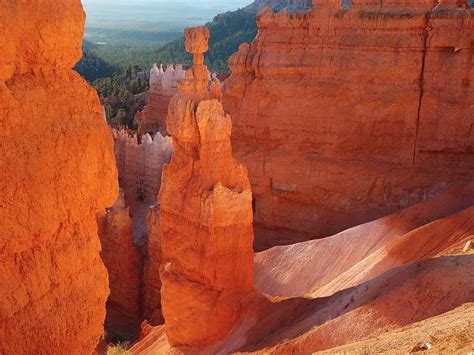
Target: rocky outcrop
[
  {"x": 58, "y": 171},
  {"x": 163, "y": 85},
  {"x": 215, "y": 88},
  {"x": 206, "y": 214},
  {"x": 140, "y": 168},
  {"x": 346, "y": 114},
  {"x": 124, "y": 264}
]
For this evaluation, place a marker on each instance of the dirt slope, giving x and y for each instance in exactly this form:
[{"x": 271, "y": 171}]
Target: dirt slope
[{"x": 322, "y": 267}]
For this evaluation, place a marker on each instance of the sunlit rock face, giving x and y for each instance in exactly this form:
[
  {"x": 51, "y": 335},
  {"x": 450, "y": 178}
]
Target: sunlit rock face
[
  {"x": 344, "y": 114},
  {"x": 205, "y": 218},
  {"x": 155, "y": 77},
  {"x": 163, "y": 85},
  {"x": 58, "y": 171}
]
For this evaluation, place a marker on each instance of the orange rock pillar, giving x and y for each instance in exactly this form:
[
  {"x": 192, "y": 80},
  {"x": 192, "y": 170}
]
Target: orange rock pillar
[
  {"x": 206, "y": 214},
  {"x": 57, "y": 171}
]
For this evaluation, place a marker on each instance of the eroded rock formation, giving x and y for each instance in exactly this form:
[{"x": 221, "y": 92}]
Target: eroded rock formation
[
  {"x": 131, "y": 257},
  {"x": 58, "y": 171},
  {"x": 398, "y": 271},
  {"x": 124, "y": 264},
  {"x": 215, "y": 88},
  {"x": 163, "y": 85},
  {"x": 343, "y": 116},
  {"x": 206, "y": 214},
  {"x": 140, "y": 168}
]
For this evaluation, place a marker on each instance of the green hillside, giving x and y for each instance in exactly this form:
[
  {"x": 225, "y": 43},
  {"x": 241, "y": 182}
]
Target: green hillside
[{"x": 228, "y": 32}]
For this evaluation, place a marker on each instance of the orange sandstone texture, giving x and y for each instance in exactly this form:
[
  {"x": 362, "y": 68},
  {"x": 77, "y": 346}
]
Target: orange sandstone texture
[
  {"x": 427, "y": 230},
  {"x": 369, "y": 281},
  {"x": 58, "y": 171},
  {"x": 163, "y": 86},
  {"x": 344, "y": 116},
  {"x": 206, "y": 214},
  {"x": 140, "y": 167},
  {"x": 124, "y": 265}
]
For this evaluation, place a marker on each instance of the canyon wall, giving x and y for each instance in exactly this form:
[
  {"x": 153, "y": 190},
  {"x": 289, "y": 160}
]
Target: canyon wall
[
  {"x": 344, "y": 115},
  {"x": 205, "y": 221},
  {"x": 58, "y": 171}
]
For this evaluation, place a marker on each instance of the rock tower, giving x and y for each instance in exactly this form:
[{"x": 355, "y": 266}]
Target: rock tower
[{"x": 206, "y": 214}]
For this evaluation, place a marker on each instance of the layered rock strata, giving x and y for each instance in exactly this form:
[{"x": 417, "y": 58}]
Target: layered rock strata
[
  {"x": 346, "y": 114},
  {"x": 58, "y": 171},
  {"x": 206, "y": 214},
  {"x": 163, "y": 85},
  {"x": 124, "y": 264}
]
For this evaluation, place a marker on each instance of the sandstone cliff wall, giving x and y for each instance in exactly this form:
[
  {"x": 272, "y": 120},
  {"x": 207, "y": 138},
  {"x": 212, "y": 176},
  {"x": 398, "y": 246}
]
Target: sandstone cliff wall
[
  {"x": 58, "y": 171},
  {"x": 343, "y": 116}
]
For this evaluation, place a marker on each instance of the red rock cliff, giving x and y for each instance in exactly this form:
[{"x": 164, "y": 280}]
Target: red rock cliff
[
  {"x": 206, "y": 214},
  {"x": 343, "y": 116},
  {"x": 58, "y": 171}
]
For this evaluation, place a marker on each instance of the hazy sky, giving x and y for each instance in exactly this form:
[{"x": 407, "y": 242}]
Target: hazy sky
[
  {"x": 163, "y": 13},
  {"x": 200, "y": 2}
]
